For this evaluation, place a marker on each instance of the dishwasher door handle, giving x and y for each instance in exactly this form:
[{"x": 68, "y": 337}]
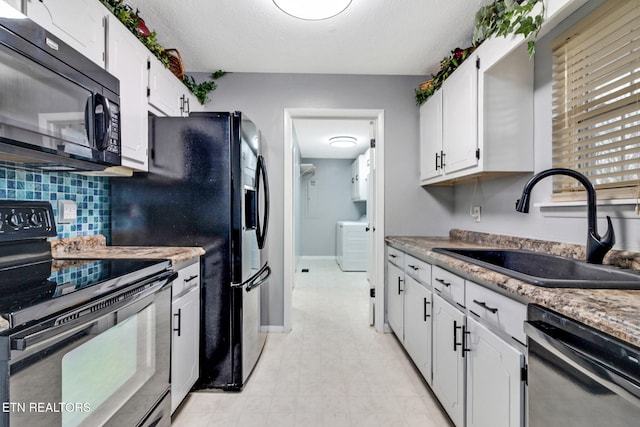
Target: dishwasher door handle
[{"x": 585, "y": 363}]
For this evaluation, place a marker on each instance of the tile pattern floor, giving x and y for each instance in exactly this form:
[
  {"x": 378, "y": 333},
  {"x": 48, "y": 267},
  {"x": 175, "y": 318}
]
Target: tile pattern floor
[{"x": 332, "y": 369}]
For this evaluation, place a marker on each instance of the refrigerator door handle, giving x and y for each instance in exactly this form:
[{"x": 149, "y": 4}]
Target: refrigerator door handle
[
  {"x": 261, "y": 227},
  {"x": 256, "y": 280},
  {"x": 260, "y": 278}
]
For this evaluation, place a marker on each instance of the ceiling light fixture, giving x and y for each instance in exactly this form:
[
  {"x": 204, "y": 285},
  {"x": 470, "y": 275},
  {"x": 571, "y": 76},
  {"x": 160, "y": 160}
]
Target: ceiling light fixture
[
  {"x": 312, "y": 10},
  {"x": 342, "y": 141}
]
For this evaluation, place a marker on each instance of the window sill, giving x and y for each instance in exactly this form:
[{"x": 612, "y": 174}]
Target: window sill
[{"x": 615, "y": 208}]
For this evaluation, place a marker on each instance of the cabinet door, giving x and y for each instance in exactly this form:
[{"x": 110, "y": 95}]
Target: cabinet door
[
  {"x": 495, "y": 390},
  {"x": 78, "y": 23},
  {"x": 417, "y": 325},
  {"x": 460, "y": 117},
  {"x": 165, "y": 90},
  {"x": 127, "y": 60},
  {"x": 395, "y": 300},
  {"x": 185, "y": 345},
  {"x": 363, "y": 175},
  {"x": 449, "y": 358},
  {"x": 431, "y": 137}
]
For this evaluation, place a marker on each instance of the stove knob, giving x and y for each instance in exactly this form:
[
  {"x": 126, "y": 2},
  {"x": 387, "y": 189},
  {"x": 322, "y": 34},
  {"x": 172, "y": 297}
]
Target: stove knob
[
  {"x": 35, "y": 220},
  {"x": 14, "y": 220}
]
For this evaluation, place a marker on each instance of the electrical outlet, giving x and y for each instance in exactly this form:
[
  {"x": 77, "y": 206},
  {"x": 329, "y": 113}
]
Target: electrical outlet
[
  {"x": 67, "y": 211},
  {"x": 475, "y": 213}
]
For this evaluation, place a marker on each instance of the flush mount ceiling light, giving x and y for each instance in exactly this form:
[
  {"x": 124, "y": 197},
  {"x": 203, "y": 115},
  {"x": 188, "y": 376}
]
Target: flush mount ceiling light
[
  {"x": 312, "y": 10},
  {"x": 342, "y": 141}
]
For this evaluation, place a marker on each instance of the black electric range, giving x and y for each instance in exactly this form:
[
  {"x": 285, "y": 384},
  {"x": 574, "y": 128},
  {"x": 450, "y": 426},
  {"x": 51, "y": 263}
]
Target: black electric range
[{"x": 34, "y": 286}]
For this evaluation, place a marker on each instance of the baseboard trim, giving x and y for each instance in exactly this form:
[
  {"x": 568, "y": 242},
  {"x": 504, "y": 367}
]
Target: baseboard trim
[{"x": 272, "y": 328}]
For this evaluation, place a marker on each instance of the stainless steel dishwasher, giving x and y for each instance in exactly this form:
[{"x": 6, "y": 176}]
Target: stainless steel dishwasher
[{"x": 579, "y": 376}]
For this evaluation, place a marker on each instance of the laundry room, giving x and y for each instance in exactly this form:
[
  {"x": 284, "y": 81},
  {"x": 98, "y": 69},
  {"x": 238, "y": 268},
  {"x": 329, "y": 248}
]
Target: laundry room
[{"x": 331, "y": 201}]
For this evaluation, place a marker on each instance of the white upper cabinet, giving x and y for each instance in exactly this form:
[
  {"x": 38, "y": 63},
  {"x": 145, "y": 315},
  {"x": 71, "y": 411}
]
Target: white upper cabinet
[
  {"x": 486, "y": 124},
  {"x": 127, "y": 60},
  {"x": 459, "y": 118},
  {"x": 168, "y": 96},
  {"x": 360, "y": 177},
  {"x": 78, "y": 23},
  {"x": 431, "y": 137}
]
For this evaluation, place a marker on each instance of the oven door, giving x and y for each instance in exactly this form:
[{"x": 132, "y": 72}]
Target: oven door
[{"x": 106, "y": 363}]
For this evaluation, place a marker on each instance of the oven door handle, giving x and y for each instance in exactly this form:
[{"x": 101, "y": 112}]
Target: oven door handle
[
  {"x": 85, "y": 316},
  {"x": 585, "y": 363}
]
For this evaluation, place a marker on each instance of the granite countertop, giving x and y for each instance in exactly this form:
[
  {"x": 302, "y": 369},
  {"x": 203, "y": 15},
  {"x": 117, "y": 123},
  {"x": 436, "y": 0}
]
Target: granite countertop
[
  {"x": 87, "y": 247},
  {"x": 616, "y": 312}
]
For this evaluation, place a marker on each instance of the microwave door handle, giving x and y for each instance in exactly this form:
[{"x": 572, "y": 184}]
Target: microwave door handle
[
  {"x": 102, "y": 121},
  {"x": 88, "y": 123}
]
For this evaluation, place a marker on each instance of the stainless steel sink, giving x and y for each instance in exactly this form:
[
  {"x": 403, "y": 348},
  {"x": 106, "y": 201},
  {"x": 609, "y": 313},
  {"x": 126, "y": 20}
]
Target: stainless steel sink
[{"x": 547, "y": 270}]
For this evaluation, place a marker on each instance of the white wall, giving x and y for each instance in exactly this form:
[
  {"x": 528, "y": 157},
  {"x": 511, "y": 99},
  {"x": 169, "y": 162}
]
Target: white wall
[
  {"x": 331, "y": 203},
  {"x": 409, "y": 210},
  {"x": 498, "y": 196}
]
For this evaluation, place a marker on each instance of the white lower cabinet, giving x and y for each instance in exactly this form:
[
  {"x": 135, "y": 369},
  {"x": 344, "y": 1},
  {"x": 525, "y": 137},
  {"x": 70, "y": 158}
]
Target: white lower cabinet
[
  {"x": 449, "y": 358},
  {"x": 417, "y": 325},
  {"x": 466, "y": 339},
  {"x": 395, "y": 300},
  {"x": 495, "y": 390},
  {"x": 185, "y": 338}
]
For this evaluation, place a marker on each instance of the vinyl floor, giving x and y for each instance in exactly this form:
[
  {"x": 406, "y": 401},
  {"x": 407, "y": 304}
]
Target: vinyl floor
[{"x": 332, "y": 369}]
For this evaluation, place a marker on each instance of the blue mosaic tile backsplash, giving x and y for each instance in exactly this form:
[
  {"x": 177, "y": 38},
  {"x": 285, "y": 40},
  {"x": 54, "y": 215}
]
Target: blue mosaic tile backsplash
[{"x": 90, "y": 193}]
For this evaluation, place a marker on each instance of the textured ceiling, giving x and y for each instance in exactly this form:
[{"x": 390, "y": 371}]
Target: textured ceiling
[
  {"x": 313, "y": 136},
  {"x": 396, "y": 37}
]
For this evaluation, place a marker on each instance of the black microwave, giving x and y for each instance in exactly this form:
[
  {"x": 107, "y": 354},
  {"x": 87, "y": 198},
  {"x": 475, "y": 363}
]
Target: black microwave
[{"x": 58, "y": 109}]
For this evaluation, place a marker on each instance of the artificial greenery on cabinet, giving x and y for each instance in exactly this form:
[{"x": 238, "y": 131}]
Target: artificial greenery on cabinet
[
  {"x": 131, "y": 19},
  {"x": 500, "y": 18}
]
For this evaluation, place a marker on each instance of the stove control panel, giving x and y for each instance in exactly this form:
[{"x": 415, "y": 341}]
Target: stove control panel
[{"x": 26, "y": 220}]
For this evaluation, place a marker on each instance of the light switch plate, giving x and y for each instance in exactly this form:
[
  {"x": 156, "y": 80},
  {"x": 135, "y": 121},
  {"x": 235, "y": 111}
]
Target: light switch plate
[{"x": 67, "y": 211}]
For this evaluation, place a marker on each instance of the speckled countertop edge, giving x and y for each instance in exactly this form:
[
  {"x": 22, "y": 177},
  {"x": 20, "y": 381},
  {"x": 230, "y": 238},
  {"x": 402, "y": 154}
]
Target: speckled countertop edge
[
  {"x": 86, "y": 247},
  {"x": 616, "y": 312}
]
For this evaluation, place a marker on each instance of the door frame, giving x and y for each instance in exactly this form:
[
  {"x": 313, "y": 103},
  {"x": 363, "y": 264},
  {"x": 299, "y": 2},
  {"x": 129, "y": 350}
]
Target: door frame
[{"x": 289, "y": 211}]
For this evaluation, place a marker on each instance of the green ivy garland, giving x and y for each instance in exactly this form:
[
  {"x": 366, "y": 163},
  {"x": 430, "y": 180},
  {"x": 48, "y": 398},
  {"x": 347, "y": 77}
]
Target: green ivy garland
[
  {"x": 131, "y": 19},
  {"x": 500, "y": 18}
]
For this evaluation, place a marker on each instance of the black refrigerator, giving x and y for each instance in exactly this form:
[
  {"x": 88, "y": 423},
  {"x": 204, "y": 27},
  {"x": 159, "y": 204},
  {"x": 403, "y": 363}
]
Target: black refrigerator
[{"x": 207, "y": 186}]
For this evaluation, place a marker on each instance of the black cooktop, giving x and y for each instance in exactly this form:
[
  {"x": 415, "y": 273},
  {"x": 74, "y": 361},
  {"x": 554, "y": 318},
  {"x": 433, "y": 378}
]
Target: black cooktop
[{"x": 34, "y": 291}]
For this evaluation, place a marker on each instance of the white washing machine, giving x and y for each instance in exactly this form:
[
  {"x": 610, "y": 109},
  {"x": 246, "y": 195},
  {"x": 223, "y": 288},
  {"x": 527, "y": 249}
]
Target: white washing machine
[{"x": 351, "y": 245}]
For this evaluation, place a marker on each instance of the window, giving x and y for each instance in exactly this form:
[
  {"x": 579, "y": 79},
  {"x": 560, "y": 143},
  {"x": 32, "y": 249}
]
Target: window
[{"x": 596, "y": 103}]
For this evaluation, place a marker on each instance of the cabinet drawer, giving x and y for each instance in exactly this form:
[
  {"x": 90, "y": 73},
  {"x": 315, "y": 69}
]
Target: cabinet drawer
[
  {"x": 418, "y": 269},
  {"x": 448, "y": 284},
  {"x": 395, "y": 256},
  {"x": 497, "y": 310},
  {"x": 188, "y": 277}
]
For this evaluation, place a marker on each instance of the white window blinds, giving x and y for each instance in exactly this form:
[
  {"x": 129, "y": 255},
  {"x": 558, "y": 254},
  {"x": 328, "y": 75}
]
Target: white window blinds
[{"x": 596, "y": 102}]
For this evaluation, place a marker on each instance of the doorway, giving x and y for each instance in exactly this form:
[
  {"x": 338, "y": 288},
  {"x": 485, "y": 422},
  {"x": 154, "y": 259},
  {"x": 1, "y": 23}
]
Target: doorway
[{"x": 375, "y": 202}]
